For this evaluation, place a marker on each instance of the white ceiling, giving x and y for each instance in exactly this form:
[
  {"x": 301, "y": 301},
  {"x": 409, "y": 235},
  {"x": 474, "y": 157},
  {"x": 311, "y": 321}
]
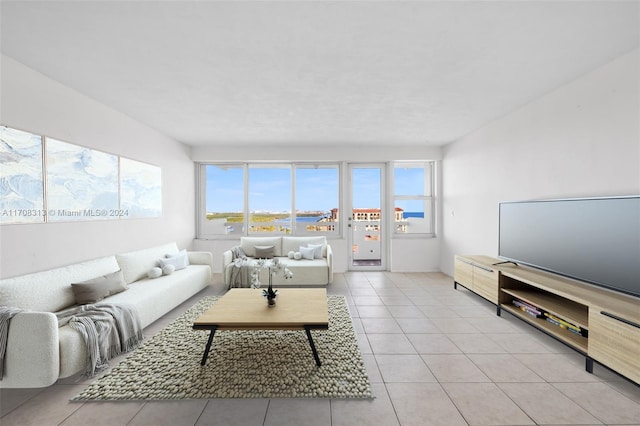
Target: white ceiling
[{"x": 316, "y": 72}]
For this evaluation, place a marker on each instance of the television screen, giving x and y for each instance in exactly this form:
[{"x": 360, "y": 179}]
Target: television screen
[{"x": 596, "y": 240}]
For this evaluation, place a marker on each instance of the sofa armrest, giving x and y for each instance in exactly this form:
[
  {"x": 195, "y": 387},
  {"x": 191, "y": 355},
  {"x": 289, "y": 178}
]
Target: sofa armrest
[
  {"x": 201, "y": 258},
  {"x": 227, "y": 259},
  {"x": 330, "y": 263},
  {"x": 32, "y": 359}
]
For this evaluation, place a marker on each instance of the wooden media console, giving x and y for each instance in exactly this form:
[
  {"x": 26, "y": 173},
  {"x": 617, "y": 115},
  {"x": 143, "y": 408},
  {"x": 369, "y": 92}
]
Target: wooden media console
[{"x": 601, "y": 324}]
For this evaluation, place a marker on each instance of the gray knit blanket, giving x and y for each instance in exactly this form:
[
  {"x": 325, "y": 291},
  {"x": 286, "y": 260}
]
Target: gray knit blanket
[
  {"x": 240, "y": 273},
  {"x": 240, "y": 269},
  {"x": 6, "y": 313},
  {"x": 107, "y": 329}
]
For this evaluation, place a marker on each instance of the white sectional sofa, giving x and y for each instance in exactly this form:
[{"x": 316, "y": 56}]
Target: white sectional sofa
[
  {"x": 39, "y": 353},
  {"x": 306, "y": 272}
]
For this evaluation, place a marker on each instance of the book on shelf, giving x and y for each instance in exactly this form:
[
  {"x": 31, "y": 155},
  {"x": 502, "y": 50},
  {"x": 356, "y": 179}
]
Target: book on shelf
[
  {"x": 528, "y": 308},
  {"x": 562, "y": 323},
  {"x": 566, "y": 325}
]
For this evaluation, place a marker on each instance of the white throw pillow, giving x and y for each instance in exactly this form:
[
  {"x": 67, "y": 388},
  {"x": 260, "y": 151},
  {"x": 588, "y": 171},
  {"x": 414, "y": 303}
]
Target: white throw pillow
[
  {"x": 317, "y": 250},
  {"x": 154, "y": 272},
  {"x": 291, "y": 254},
  {"x": 307, "y": 252},
  {"x": 297, "y": 255},
  {"x": 179, "y": 261},
  {"x": 168, "y": 269}
]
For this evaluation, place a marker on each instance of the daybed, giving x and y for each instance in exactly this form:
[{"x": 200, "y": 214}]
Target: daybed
[
  {"x": 38, "y": 352},
  {"x": 306, "y": 272}
]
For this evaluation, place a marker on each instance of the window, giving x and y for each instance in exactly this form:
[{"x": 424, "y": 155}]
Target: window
[
  {"x": 269, "y": 199},
  {"x": 316, "y": 199},
  {"x": 413, "y": 198},
  {"x": 258, "y": 199},
  {"x": 224, "y": 195}
]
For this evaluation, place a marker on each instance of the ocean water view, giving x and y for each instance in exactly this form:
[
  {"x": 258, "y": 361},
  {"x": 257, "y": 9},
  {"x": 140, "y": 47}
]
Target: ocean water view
[{"x": 412, "y": 214}]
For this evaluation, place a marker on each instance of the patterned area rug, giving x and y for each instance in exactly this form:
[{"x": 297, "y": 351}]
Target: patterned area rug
[{"x": 241, "y": 364}]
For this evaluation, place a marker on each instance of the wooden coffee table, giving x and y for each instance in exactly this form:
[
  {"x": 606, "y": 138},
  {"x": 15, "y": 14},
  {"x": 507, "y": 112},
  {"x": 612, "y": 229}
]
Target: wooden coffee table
[{"x": 247, "y": 309}]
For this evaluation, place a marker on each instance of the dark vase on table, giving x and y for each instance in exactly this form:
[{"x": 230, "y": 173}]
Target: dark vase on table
[{"x": 271, "y": 295}]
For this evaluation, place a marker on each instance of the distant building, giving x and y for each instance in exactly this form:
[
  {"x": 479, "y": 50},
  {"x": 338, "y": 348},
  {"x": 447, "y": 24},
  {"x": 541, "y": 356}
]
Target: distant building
[{"x": 367, "y": 214}]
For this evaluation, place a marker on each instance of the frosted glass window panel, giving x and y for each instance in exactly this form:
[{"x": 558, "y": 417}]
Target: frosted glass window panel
[
  {"x": 21, "y": 184},
  {"x": 140, "y": 189},
  {"x": 82, "y": 183}
]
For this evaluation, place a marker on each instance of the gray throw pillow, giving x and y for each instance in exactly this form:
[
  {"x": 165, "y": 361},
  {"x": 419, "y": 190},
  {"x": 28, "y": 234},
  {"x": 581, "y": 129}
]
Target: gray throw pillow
[
  {"x": 96, "y": 289},
  {"x": 264, "y": 252}
]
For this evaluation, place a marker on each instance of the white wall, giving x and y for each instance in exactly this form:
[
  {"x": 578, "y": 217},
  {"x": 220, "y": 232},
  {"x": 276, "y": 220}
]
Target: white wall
[
  {"x": 580, "y": 140},
  {"x": 32, "y": 102}
]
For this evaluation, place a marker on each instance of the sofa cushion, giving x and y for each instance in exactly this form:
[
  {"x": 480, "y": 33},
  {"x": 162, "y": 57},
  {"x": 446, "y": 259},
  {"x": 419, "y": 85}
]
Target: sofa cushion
[
  {"x": 155, "y": 297},
  {"x": 248, "y": 245},
  {"x": 305, "y": 272},
  {"x": 50, "y": 291},
  {"x": 96, "y": 289},
  {"x": 136, "y": 264},
  {"x": 294, "y": 243}
]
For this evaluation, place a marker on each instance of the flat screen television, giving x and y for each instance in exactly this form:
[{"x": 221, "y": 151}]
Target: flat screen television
[{"x": 596, "y": 240}]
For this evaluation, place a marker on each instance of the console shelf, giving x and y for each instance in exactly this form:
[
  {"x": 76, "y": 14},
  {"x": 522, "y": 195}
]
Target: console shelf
[
  {"x": 576, "y": 341},
  {"x": 573, "y": 312},
  {"x": 609, "y": 321}
]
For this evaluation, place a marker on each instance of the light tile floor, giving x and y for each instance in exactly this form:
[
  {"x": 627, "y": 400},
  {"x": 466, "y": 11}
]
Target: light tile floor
[{"x": 435, "y": 356}]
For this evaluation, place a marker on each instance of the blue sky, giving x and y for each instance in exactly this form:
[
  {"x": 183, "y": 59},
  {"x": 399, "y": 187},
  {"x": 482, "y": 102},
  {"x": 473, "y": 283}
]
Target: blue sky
[
  {"x": 366, "y": 188},
  {"x": 316, "y": 188}
]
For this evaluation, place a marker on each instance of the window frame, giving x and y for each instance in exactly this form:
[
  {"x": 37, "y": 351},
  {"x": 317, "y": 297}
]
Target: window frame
[
  {"x": 281, "y": 229},
  {"x": 336, "y": 225},
  {"x": 203, "y": 226},
  {"x": 201, "y": 214},
  {"x": 428, "y": 198}
]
